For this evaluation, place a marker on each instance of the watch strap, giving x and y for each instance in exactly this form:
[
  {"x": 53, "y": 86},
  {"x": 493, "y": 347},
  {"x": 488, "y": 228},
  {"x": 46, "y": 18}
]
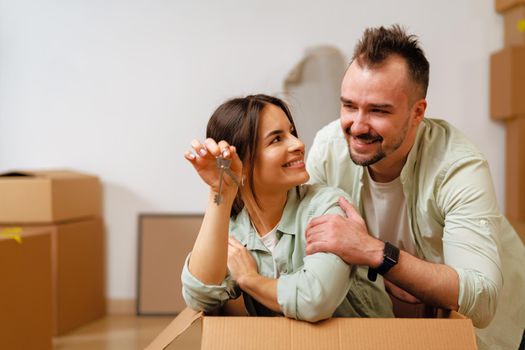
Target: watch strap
[{"x": 390, "y": 258}]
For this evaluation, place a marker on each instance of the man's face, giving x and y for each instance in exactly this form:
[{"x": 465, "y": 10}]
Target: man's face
[{"x": 376, "y": 111}]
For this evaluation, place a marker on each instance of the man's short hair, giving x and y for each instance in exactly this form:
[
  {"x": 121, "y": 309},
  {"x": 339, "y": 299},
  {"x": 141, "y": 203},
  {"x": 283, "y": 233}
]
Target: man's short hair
[{"x": 377, "y": 44}]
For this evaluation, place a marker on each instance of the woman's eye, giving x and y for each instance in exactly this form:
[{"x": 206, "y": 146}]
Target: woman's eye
[{"x": 276, "y": 139}]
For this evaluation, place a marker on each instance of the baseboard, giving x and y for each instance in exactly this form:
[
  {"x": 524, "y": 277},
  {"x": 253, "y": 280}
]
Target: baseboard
[{"x": 122, "y": 306}]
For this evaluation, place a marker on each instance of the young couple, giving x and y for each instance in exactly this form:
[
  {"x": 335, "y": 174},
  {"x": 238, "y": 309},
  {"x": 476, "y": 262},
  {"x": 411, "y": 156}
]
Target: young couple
[{"x": 253, "y": 241}]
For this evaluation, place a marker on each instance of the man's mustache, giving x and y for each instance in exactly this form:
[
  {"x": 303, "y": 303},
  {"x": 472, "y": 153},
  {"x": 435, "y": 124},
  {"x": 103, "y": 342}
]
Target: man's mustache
[{"x": 368, "y": 137}]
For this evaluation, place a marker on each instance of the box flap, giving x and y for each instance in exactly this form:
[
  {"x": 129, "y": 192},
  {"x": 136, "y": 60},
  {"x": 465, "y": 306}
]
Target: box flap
[
  {"x": 182, "y": 322},
  {"x": 228, "y": 333}
]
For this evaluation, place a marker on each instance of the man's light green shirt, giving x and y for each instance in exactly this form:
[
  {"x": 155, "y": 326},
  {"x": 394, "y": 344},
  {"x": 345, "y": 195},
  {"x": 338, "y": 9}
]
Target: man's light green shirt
[
  {"x": 453, "y": 218},
  {"x": 310, "y": 288}
]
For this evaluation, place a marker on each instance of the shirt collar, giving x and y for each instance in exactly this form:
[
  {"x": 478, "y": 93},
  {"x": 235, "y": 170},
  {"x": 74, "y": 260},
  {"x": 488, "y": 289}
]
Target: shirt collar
[
  {"x": 287, "y": 224},
  {"x": 408, "y": 171}
]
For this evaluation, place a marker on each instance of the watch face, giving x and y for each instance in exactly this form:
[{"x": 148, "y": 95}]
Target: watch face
[{"x": 390, "y": 257}]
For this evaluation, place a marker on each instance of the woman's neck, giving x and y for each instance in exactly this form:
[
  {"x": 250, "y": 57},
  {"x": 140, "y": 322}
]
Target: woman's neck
[{"x": 269, "y": 212}]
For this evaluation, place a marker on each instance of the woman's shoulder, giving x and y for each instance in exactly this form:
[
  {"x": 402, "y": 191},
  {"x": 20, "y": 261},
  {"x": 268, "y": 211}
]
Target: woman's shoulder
[
  {"x": 321, "y": 198},
  {"x": 321, "y": 192}
]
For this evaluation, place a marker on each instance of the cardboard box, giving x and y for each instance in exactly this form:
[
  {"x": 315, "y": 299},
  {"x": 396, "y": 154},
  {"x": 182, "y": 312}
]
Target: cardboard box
[
  {"x": 231, "y": 333},
  {"x": 25, "y": 291},
  {"x": 515, "y": 169},
  {"x": 164, "y": 243},
  {"x": 519, "y": 226},
  {"x": 507, "y": 83},
  {"x": 505, "y": 5},
  {"x": 514, "y": 20},
  {"x": 78, "y": 273},
  {"x": 48, "y": 196}
]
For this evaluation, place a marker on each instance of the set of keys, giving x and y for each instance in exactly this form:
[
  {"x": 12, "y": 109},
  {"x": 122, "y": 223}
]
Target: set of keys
[{"x": 224, "y": 167}]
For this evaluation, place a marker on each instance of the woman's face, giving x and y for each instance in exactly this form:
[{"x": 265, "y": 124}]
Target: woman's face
[{"x": 279, "y": 158}]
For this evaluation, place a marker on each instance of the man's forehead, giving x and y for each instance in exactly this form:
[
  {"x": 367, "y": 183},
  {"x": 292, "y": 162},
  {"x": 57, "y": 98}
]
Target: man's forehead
[{"x": 379, "y": 84}]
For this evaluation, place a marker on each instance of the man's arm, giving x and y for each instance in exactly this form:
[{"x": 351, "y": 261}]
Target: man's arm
[{"x": 435, "y": 284}]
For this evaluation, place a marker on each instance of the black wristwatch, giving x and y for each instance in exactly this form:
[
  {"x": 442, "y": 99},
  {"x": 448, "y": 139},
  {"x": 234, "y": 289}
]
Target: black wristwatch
[{"x": 390, "y": 257}]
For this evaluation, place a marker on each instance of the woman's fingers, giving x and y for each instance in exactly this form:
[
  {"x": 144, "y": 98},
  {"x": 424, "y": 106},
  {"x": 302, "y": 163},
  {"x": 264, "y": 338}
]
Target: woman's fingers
[
  {"x": 213, "y": 147},
  {"x": 189, "y": 156},
  {"x": 199, "y": 148},
  {"x": 225, "y": 149}
]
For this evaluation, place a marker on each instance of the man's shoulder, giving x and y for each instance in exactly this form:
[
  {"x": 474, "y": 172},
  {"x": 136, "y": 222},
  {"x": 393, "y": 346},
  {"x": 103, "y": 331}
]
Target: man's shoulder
[
  {"x": 446, "y": 142},
  {"x": 330, "y": 132}
]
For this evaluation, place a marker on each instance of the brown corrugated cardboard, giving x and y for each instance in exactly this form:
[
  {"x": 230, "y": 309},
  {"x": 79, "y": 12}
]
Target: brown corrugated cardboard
[
  {"x": 48, "y": 196},
  {"x": 515, "y": 169},
  {"x": 519, "y": 226},
  {"x": 231, "y": 333},
  {"x": 164, "y": 243},
  {"x": 514, "y": 19},
  {"x": 507, "y": 83},
  {"x": 505, "y": 5},
  {"x": 25, "y": 291},
  {"x": 78, "y": 273}
]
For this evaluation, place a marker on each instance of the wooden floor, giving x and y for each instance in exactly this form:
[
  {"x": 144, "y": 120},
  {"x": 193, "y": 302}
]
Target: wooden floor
[{"x": 112, "y": 333}]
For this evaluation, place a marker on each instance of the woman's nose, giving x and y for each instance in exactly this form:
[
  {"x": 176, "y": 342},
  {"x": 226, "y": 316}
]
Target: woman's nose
[{"x": 296, "y": 145}]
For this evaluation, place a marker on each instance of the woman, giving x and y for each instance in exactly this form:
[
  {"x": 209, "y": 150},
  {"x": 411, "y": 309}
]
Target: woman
[{"x": 266, "y": 217}]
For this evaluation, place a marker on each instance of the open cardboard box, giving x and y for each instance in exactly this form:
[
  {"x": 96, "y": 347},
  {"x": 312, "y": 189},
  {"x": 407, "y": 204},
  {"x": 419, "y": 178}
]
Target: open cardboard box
[{"x": 453, "y": 331}]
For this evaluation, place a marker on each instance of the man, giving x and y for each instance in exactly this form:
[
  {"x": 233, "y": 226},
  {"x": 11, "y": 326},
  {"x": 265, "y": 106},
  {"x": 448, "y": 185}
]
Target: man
[{"x": 426, "y": 216}]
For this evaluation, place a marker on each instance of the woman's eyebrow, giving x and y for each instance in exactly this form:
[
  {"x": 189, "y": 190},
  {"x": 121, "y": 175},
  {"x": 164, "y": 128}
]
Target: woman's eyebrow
[{"x": 273, "y": 132}]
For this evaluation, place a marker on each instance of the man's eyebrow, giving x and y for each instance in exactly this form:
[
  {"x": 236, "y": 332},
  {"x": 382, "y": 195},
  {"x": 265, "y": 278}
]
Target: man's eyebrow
[
  {"x": 373, "y": 105},
  {"x": 346, "y": 101},
  {"x": 382, "y": 105}
]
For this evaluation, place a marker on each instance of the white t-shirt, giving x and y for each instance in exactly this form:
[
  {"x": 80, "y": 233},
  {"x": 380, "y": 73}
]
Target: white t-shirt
[
  {"x": 386, "y": 212},
  {"x": 270, "y": 240}
]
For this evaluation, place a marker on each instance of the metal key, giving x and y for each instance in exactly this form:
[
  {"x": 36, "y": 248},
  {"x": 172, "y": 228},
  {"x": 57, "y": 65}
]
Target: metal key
[
  {"x": 232, "y": 176},
  {"x": 224, "y": 166},
  {"x": 221, "y": 165}
]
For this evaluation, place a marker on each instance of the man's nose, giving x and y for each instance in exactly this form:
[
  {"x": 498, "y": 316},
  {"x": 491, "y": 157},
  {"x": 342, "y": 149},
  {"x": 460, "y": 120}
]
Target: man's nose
[{"x": 357, "y": 123}]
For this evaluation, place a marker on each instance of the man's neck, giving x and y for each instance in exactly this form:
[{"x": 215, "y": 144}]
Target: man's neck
[{"x": 385, "y": 171}]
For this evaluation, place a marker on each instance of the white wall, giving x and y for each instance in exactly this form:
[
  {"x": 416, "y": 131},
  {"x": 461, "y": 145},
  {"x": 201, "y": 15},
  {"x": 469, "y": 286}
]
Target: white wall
[{"x": 119, "y": 88}]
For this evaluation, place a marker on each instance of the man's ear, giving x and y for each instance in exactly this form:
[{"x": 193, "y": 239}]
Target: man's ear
[{"x": 418, "y": 110}]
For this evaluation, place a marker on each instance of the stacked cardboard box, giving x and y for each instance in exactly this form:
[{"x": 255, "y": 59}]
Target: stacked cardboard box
[
  {"x": 25, "y": 289},
  {"x": 507, "y": 104},
  {"x": 68, "y": 206}
]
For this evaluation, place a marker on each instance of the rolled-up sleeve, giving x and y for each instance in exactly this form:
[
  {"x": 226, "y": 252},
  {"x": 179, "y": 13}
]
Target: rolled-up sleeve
[
  {"x": 204, "y": 297},
  {"x": 471, "y": 238},
  {"x": 314, "y": 292}
]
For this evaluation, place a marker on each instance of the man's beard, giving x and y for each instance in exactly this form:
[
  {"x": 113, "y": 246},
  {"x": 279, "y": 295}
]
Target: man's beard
[
  {"x": 380, "y": 154},
  {"x": 371, "y": 160}
]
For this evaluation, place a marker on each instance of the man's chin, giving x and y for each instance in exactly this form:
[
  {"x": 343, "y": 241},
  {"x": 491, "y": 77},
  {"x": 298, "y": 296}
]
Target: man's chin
[{"x": 366, "y": 160}]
